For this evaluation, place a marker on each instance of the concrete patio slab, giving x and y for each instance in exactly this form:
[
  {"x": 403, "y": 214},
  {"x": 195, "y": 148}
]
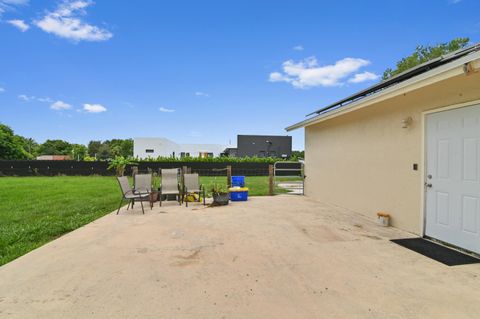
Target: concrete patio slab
[{"x": 271, "y": 257}]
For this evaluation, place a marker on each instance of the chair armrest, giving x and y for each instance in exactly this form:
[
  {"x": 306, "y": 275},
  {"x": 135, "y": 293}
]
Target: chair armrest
[
  {"x": 141, "y": 191},
  {"x": 129, "y": 192}
]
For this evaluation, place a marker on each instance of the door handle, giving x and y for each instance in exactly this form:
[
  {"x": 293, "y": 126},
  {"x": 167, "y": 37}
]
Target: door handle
[{"x": 428, "y": 185}]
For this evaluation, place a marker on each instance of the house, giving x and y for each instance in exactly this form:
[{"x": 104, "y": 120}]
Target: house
[
  {"x": 153, "y": 147},
  {"x": 53, "y": 158},
  {"x": 230, "y": 152},
  {"x": 409, "y": 146},
  {"x": 261, "y": 146}
]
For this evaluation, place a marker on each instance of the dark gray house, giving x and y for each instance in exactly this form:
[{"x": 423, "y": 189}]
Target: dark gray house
[{"x": 261, "y": 146}]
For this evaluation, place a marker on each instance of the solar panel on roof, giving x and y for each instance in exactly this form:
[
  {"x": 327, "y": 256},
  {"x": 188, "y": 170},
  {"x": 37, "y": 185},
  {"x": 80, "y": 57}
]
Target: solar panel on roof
[{"x": 408, "y": 74}]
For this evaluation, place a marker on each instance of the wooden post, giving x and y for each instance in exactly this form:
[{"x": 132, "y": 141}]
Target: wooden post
[
  {"x": 229, "y": 176},
  {"x": 270, "y": 180}
]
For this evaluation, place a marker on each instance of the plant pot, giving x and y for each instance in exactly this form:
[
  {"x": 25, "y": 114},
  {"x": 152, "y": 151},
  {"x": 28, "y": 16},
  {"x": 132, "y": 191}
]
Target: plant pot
[
  {"x": 153, "y": 196},
  {"x": 220, "y": 199}
]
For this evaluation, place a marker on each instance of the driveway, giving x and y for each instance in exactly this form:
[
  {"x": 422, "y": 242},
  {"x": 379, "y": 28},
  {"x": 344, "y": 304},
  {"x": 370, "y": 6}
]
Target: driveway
[{"x": 271, "y": 257}]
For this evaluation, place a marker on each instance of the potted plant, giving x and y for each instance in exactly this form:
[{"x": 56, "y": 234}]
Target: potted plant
[
  {"x": 219, "y": 194},
  {"x": 119, "y": 164},
  {"x": 155, "y": 188}
]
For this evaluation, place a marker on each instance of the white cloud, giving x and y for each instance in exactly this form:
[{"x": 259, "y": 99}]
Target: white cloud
[
  {"x": 6, "y": 5},
  {"x": 455, "y": 1},
  {"x": 2, "y": 90},
  {"x": 60, "y": 105},
  {"x": 25, "y": 98},
  {"x": 362, "y": 77},
  {"x": 20, "y": 24},
  {"x": 44, "y": 99},
  {"x": 165, "y": 110},
  {"x": 29, "y": 98},
  {"x": 66, "y": 22},
  {"x": 94, "y": 108},
  {"x": 198, "y": 93},
  {"x": 278, "y": 77},
  {"x": 298, "y": 48},
  {"x": 307, "y": 73}
]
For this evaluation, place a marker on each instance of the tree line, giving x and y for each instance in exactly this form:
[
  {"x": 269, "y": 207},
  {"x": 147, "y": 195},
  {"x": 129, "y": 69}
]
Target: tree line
[
  {"x": 425, "y": 53},
  {"x": 17, "y": 147}
]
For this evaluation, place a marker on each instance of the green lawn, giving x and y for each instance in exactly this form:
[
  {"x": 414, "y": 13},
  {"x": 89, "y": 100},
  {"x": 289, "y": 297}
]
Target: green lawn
[
  {"x": 257, "y": 185},
  {"x": 35, "y": 210}
]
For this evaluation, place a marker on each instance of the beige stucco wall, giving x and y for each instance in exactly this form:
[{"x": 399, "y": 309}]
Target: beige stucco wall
[{"x": 363, "y": 160}]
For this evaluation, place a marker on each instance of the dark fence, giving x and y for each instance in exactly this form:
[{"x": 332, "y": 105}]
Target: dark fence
[{"x": 52, "y": 168}]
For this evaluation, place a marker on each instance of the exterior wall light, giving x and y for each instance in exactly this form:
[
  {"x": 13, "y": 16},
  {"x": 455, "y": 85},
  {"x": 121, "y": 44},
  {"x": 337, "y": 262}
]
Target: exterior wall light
[{"x": 407, "y": 122}]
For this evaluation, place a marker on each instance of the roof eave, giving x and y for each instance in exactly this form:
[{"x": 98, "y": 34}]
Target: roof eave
[{"x": 400, "y": 88}]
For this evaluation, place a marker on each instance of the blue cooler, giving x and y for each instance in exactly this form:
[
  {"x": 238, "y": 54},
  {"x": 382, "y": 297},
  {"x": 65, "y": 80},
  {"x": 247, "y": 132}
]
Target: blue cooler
[
  {"x": 238, "y": 194},
  {"x": 238, "y": 181}
]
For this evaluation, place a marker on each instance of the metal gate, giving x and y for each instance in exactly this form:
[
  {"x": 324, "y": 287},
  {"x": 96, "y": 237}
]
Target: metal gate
[{"x": 289, "y": 177}]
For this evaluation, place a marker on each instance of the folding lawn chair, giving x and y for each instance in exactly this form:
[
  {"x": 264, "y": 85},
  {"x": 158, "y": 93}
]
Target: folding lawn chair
[
  {"x": 129, "y": 194},
  {"x": 142, "y": 183},
  {"x": 192, "y": 186},
  {"x": 170, "y": 184}
]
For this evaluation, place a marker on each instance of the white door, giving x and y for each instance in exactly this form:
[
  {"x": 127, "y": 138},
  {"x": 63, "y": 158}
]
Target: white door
[{"x": 453, "y": 177}]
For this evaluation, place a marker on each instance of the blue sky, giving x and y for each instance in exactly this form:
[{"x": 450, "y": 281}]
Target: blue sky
[{"x": 201, "y": 71}]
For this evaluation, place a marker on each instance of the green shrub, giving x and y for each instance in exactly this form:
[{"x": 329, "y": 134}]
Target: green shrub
[
  {"x": 254, "y": 159},
  {"x": 119, "y": 164}
]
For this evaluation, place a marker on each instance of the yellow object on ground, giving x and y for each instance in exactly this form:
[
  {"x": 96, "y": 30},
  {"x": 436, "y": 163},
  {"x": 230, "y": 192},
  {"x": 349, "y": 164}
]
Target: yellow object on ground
[
  {"x": 192, "y": 198},
  {"x": 238, "y": 189},
  {"x": 383, "y": 214}
]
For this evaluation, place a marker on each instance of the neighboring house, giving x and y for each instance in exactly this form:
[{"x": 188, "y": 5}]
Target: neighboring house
[
  {"x": 261, "y": 146},
  {"x": 53, "y": 158},
  {"x": 409, "y": 146},
  {"x": 230, "y": 151},
  {"x": 153, "y": 147}
]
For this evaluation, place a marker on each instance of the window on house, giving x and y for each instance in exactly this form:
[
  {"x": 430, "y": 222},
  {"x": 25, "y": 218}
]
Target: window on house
[
  {"x": 148, "y": 150},
  {"x": 205, "y": 154}
]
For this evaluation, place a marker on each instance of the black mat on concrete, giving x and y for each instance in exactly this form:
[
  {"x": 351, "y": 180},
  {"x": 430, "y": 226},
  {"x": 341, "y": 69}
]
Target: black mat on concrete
[{"x": 445, "y": 255}]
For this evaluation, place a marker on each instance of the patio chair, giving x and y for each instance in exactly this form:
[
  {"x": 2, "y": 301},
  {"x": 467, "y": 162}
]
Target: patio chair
[
  {"x": 129, "y": 194},
  {"x": 170, "y": 184},
  {"x": 142, "y": 183},
  {"x": 191, "y": 186}
]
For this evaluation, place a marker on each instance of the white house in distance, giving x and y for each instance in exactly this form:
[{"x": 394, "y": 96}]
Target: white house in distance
[{"x": 153, "y": 147}]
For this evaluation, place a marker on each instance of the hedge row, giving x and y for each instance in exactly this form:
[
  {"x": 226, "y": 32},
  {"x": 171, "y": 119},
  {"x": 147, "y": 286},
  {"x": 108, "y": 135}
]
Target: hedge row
[{"x": 223, "y": 159}]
